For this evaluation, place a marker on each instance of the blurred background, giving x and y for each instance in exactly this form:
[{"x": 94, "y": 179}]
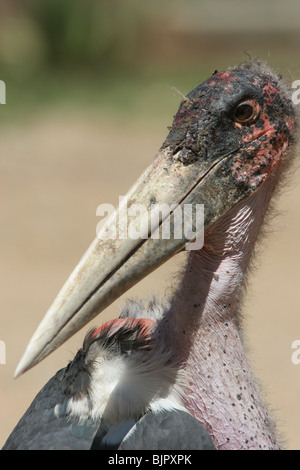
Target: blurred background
[{"x": 90, "y": 93}]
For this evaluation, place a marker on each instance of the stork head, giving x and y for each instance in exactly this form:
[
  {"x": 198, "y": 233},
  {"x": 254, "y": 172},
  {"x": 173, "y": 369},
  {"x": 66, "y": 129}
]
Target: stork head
[{"x": 230, "y": 135}]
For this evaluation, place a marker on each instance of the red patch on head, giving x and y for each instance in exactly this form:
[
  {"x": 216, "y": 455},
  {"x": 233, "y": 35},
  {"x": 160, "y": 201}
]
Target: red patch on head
[
  {"x": 271, "y": 92},
  {"x": 267, "y": 143},
  {"x": 227, "y": 76},
  {"x": 265, "y": 159}
]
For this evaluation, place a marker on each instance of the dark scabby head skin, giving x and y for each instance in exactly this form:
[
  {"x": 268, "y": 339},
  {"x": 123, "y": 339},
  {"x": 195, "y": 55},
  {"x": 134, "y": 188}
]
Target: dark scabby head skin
[{"x": 205, "y": 128}]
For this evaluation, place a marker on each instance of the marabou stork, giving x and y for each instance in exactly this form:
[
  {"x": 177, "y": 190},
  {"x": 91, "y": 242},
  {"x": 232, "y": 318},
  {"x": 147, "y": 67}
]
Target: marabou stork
[{"x": 173, "y": 376}]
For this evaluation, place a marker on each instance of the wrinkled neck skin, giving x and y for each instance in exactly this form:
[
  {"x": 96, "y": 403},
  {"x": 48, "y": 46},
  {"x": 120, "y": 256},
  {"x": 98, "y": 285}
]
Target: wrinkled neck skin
[{"x": 204, "y": 322}]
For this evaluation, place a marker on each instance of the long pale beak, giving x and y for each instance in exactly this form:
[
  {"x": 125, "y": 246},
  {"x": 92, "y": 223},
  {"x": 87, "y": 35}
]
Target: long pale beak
[{"x": 112, "y": 264}]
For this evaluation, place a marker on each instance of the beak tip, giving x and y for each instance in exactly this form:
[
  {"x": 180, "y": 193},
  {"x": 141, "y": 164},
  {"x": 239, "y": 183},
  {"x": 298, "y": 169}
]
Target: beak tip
[
  {"x": 36, "y": 350},
  {"x": 19, "y": 370},
  {"x": 27, "y": 361}
]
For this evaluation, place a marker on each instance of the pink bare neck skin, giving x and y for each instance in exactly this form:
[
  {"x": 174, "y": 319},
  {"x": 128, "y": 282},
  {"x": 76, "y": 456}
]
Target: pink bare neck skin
[{"x": 204, "y": 319}]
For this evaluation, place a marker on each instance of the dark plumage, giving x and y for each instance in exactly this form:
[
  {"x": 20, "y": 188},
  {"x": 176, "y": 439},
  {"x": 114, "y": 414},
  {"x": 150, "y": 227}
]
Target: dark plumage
[{"x": 49, "y": 424}]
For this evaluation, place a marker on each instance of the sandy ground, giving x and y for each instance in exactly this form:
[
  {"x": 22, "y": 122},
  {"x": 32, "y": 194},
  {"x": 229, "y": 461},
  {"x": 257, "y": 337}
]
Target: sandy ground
[{"x": 54, "y": 172}]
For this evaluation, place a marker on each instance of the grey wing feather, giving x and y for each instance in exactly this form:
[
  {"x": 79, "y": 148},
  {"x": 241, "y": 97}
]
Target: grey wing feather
[
  {"x": 45, "y": 425},
  {"x": 169, "y": 430}
]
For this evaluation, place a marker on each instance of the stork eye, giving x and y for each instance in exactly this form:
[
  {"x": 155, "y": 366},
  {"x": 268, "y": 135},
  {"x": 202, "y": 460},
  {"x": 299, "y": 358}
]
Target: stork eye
[{"x": 246, "y": 112}]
